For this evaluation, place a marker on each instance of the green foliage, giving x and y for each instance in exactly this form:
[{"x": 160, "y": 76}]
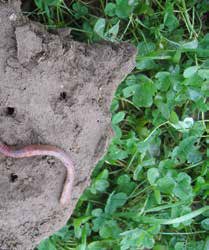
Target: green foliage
[
  {"x": 136, "y": 238},
  {"x": 115, "y": 201},
  {"x": 205, "y": 224},
  {"x": 151, "y": 190}
]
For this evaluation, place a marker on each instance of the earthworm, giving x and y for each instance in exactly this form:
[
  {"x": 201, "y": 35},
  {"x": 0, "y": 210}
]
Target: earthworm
[{"x": 37, "y": 150}]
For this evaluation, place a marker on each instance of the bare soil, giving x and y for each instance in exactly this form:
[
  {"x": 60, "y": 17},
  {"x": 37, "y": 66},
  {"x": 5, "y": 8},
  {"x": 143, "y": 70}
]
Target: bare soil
[{"x": 56, "y": 91}]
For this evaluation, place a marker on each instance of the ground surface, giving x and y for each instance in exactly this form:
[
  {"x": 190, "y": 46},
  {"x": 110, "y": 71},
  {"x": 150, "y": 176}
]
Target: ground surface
[{"x": 52, "y": 91}]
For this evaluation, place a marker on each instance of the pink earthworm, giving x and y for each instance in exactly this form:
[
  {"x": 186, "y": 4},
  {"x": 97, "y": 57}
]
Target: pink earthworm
[{"x": 37, "y": 150}]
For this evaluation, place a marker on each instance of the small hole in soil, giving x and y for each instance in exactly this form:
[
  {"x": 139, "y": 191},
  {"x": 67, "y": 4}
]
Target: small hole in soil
[
  {"x": 28, "y": 5},
  {"x": 63, "y": 95},
  {"x": 13, "y": 177},
  {"x": 10, "y": 111}
]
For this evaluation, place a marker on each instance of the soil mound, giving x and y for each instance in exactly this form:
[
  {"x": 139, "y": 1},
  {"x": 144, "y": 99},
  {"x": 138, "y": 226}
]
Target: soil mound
[{"x": 56, "y": 91}]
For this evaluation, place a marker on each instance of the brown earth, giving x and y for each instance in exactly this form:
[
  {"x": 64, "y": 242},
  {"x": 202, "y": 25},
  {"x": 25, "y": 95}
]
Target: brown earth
[{"x": 56, "y": 91}]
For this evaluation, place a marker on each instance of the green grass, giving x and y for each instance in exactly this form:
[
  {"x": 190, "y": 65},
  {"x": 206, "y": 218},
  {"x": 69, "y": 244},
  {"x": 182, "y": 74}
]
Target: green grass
[{"x": 151, "y": 190}]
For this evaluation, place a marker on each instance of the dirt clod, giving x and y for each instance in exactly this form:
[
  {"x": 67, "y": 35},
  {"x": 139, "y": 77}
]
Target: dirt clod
[{"x": 50, "y": 93}]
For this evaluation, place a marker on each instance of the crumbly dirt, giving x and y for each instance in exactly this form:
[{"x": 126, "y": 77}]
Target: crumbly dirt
[{"x": 56, "y": 91}]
